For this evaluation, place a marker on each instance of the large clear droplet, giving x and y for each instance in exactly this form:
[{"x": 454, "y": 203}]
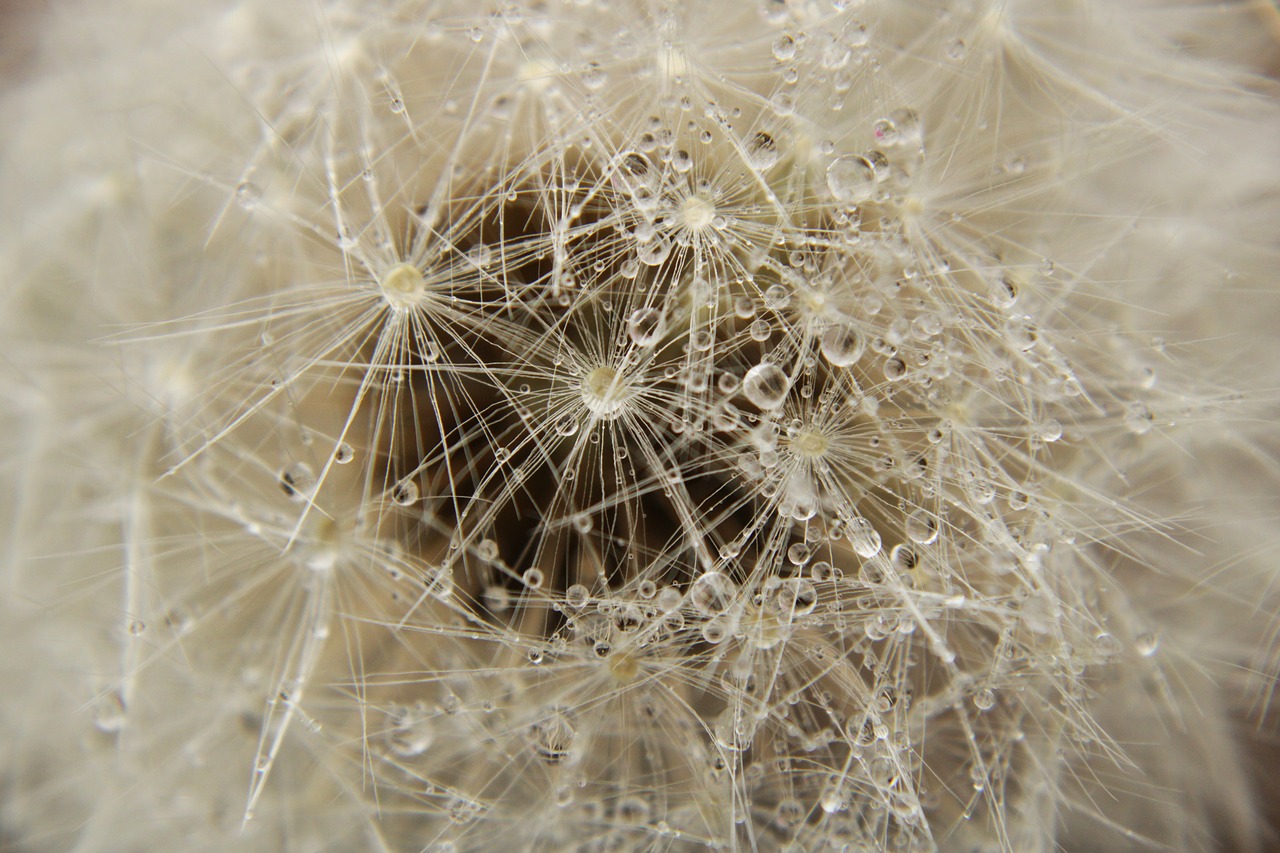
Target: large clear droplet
[
  {"x": 712, "y": 593},
  {"x": 405, "y": 492},
  {"x": 842, "y": 344},
  {"x": 864, "y": 538},
  {"x": 645, "y": 326},
  {"x": 851, "y": 179},
  {"x": 766, "y": 385},
  {"x": 922, "y": 527}
]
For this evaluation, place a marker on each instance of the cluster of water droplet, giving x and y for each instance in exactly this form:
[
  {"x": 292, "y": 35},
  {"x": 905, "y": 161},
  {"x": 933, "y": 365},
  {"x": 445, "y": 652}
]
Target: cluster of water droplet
[{"x": 680, "y": 456}]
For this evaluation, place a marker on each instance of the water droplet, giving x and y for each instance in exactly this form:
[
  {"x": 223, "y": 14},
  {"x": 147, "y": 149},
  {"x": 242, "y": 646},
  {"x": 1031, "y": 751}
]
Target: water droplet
[
  {"x": 1023, "y": 333},
  {"x": 109, "y": 712},
  {"x": 922, "y": 527},
  {"x": 566, "y": 425},
  {"x": 594, "y": 77},
  {"x": 343, "y": 453},
  {"x": 766, "y": 386},
  {"x": 533, "y": 578},
  {"x": 405, "y": 492},
  {"x": 497, "y": 599},
  {"x": 903, "y": 558},
  {"x": 654, "y": 252},
  {"x": 984, "y": 699},
  {"x": 553, "y": 737},
  {"x": 632, "y": 173},
  {"x": 645, "y": 326},
  {"x": 762, "y": 151},
  {"x": 712, "y": 593},
  {"x": 894, "y": 369},
  {"x": 798, "y": 597},
  {"x": 633, "y": 810},
  {"x": 842, "y": 344},
  {"x": 908, "y": 131},
  {"x": 834, "y": 798},
  {"x": 297, "y": 481},
  {"x": 1106, "y": 645},
  {"x": 784, "y": 48},
  {"x": 777, "y": 297},
  {"x": 248, "y": 194},
  {"x": 1049, "y": 430},
  {"x": 1138, "y": 419},
  {"x": 1146, "y": 644},
  {"x": 732, "y": 731},
  {"x": 864, "y": 538},
  {"x": 576, "y": 596},
  {"x": 799, "y": 554},
  {"x": 851, "y": 179},
  {"x": 411, "y": 732}
]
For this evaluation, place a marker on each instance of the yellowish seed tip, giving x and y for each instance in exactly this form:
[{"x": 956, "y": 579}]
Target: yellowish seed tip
[
  {"x": 810, "y": 443},
  {"x": 403, "y": 286}
]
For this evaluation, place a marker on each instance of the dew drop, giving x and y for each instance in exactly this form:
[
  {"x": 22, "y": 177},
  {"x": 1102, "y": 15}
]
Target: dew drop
[
  {"x": 248, "y": 194},
  {"x": 297, "y": 481},
  {"x": 762, "y": 151},
  {"x": 842, "y": 344},
  {"x": 864, "y": 538},
  {"x": 903, "y": 558},
  {"x": 405, "y": 492},
  {"x": 553, "y": 737},
  {"x": 411, "y": 732},
  {"x": 654, "y": 252},
  {"x": 1049, "y": 430},
  {"x": 766, "y": 386},
  {"x": 784, "y": 48},
  {"x": 1138, "y": 419},
  {"x": 712, "y": 593},
  {"x": 894, "y": 369},
  {"x": 777, "y": 297},
  {"x": 109, "y": 712},
  {"x": 798, "y": 597},
  {"x": 922, "y": 527},
  {"x": 566, "y": 425},
  {"x": 799, "y": 554},
  {"x": 851, "y": 179},
  {"x": 1106, "y": 645},
  {"x": 576, "y": 596}
]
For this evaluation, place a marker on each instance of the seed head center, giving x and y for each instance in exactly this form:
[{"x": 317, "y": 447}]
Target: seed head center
[
  {"x": 604, "y": 392},
  {"x": 697, "y": 213},
  {"x": 810, "y": 443},
  {"x": 403, "y": 286}
]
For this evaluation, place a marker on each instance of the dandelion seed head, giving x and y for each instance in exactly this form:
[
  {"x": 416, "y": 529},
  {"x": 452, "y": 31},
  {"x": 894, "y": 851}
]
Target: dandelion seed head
[
  {"x": 605, "y": 391},
  {"x": 403, "y": 286},
  {"x": 594, "y": 427}
]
